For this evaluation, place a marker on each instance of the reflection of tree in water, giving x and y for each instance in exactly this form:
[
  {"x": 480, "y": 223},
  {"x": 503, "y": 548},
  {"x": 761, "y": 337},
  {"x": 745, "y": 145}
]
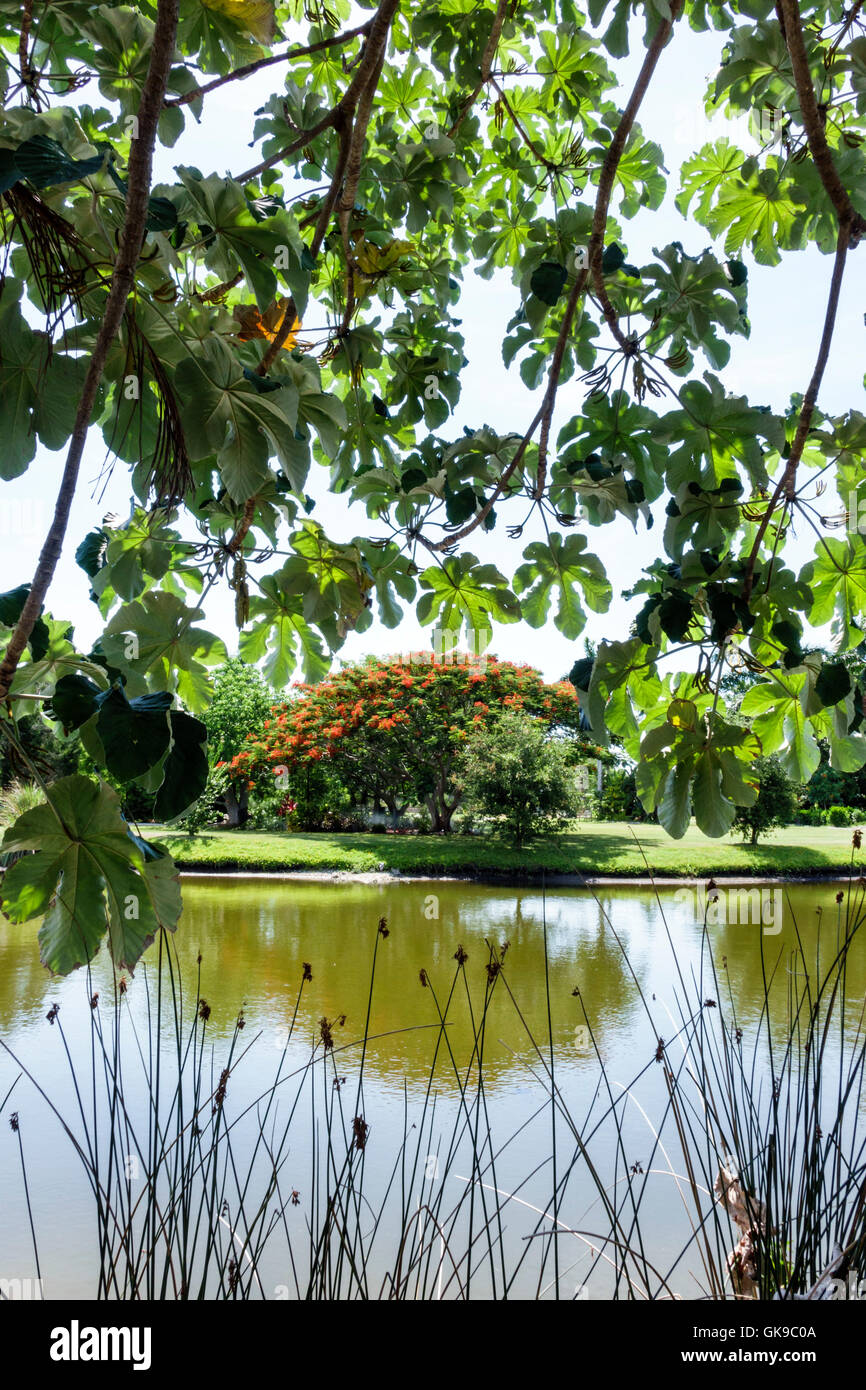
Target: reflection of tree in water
[
  {"x": 333, "y": 926},
  {"x": 24, "y": 981},
  {"x": 813, "y": 927},
  {"x": 255, "y": 937}
]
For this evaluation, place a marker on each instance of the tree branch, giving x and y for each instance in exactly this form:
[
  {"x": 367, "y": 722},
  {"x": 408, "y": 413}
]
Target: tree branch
[
  {"x": 25, "y": 69},
  {"x": 814, "y": 126},
  {"x": 380, "y": 25},
  {"x": 346, "y": 175},
  {"x": 548, "y": 164},
  {"x": 851, "y": 228},
  {"x": 785, "y": 485},
  {"x": 611, "y": 163},
  {"x": 544, "y": 416},
  {"x": 249, "y": 68},
  {"x": 122, "y": 280},
  {"x": 487, "y": 58},
  {"x": 353, "y": 174},
  {"x": 606, "y": 182},
  {"x": 500, "y": 487}
]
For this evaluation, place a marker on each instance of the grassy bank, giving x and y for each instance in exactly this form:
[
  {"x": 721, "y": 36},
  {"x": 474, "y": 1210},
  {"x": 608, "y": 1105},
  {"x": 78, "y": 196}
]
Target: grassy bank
[{"x": 592, "y": 849}]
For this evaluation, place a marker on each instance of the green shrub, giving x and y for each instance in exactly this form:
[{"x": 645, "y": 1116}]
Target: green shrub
[
  {"x": 516, "y": 773},
  {"x": 210, "y": 807},
  {"x": 619, "y": 800},
  {"x": 775, "y": 804}
]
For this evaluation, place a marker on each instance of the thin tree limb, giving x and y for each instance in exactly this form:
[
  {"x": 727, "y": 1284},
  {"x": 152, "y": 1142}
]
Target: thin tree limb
[
  {"x": 813, "y": 124},
  {"x": 487, "y": 59},
  {"x": 122, "y": 280},
  {"x": 530, "y": 144},
  {"x": 500, "y": 487},
  {"x": 607, "y": 178},
  {"x": 346, "y": 175},
  {"x": 353, "y": 175},
  {"x": 786, "y": 484},
  {"x": 25, "y": 69},
  {"x": 851, "y": 228},
  {"x": 288, "y": 320},
  {"x": 378, "y": 34},
  {"x": 611, "y": 163},
  {"x": 249, "y": 68},
  {"x": 606, "y": 182}
]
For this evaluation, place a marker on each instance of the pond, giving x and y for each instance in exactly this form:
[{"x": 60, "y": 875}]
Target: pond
[{"x": 620, "y": 965}]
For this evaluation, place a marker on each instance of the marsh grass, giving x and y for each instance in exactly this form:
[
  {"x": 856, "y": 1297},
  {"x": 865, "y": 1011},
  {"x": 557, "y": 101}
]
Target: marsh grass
[{"x": 192, "y": 1197}]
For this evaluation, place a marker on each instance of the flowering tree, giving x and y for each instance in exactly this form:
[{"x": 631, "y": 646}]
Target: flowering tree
[{"x": 392, "y": 730}]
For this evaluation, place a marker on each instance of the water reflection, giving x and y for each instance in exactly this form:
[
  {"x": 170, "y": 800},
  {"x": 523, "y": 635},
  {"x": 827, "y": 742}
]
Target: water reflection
[{"x": 254, "y": 937}]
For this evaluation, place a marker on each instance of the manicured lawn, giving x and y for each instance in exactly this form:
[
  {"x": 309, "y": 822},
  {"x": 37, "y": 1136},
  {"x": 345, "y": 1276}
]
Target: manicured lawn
[{"x": 591, "y": 848}]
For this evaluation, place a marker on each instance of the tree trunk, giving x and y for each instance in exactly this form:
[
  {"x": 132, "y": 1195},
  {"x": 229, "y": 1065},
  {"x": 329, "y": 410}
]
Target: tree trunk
[
  {"x": 444, "y": 809},
  {"x": 237, "y": 805},
  {"x": 448, "y": 811},
  {"x": 436, "y": 825}
]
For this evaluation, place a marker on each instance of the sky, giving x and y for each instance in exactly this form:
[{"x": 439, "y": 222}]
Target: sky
[{"x": 786, "y": 309}]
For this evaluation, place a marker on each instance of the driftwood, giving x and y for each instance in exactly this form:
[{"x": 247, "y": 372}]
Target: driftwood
[{"x": 750, "y": 1215}]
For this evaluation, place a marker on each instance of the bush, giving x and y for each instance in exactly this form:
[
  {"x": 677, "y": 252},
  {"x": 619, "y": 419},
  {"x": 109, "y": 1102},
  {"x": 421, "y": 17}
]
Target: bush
[
  {"x": 41, "y": 749},
  {"x": 619, "y": 800},
  {"x": 515, "y": 772},
  {"x": 775, "y": 804},
  {"x": 839, "y": 815},
  {"x": 210, "y": 808}
]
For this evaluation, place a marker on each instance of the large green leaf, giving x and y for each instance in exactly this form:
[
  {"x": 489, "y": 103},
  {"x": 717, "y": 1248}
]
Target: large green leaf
[
  {"x": 280, "y": 636},
  {"x": 43, "y": 162},
  {"x": 242, "y": 237},
  {"x": 567, "y": 567},
  {"x": 22, "y": 362},
  {"x": 185, "y": 768},
  {"x": 157, "y": 637},
  {"x": 777, "y": 714},
  {"x": 85, "y": 876},
  {"x": 224, "y": 414},
  {"x": 461, "y": 592},
  {"x": 837, "y": 578},
  {"x": 134, "y": 733}
]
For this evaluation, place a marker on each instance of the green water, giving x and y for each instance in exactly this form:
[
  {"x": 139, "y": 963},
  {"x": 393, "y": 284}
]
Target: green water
[{"x": 254, "y": 937}]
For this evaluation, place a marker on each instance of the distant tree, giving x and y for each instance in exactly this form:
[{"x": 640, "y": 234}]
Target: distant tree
[
  {"x": 241, "y": 702},
  {"x": 619, "y": 800},
  {"x": 391, "y": 731},
  {"x": 514, "y": 770},
  {"x": 775, "y": 803}
]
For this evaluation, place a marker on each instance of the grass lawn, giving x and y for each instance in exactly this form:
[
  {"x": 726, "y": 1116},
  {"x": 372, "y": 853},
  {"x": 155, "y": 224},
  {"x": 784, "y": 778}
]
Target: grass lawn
[{"x": 592, "y": 848}]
